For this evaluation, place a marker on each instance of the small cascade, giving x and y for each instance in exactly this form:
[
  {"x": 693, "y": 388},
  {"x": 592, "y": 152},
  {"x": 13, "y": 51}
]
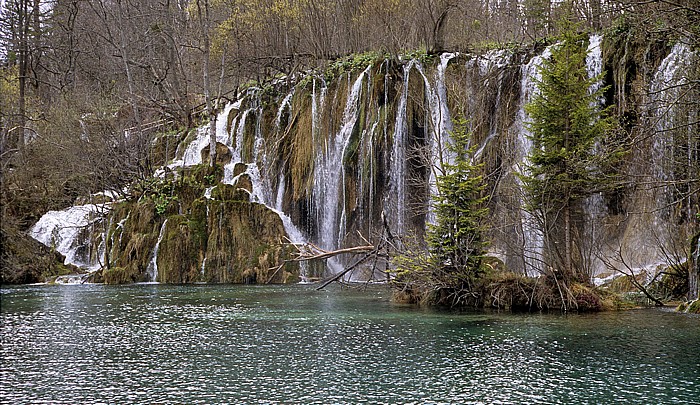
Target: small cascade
[
  {"x": 318, "y": 103},
  {"x": 665, "y": 91},
  {"x": 528, "y": 89},
  {"x": 193, "y": 154},
  {"x": 398, "y": 157},
  {"x": 674, "y": 134},
  {"x": 285, "y": 106},
  {"x": 262, "y": 194},
  {"x": 594, "y": 206},
  {"x": 153, "y": 264},
  {"x": 279, "y": 199},
  {"x": 440, "y": 123},
  {"x": 329, "y": 174},
  {"x": 594, "y": 61},
  {"x": 531, "y": 235},
  {"x": 71, "y": 232},
  {"x": 487, "y": 65},
  {"x": 237, "y": 145}
]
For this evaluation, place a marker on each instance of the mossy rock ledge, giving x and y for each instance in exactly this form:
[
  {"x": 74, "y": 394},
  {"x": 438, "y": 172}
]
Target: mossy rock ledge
[{"x": 222, "y": 239}]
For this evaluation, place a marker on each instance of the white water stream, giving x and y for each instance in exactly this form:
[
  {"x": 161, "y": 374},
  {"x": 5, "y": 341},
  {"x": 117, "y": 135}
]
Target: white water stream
[{"x": 70, "y": 231}]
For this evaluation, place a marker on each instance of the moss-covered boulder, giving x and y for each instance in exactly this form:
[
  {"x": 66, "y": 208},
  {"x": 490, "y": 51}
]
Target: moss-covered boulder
[
  {"x": 223, "y": 154},
  {"x": 134, "y": 232},
  {"x": 121, "y": 275},
  {"x": 244, "y": 245},
  {"x": 239, "y": 168},
  {"x": 221, "y": 239},
  {"x": 25, "y": 260},
  {"x": 181, "y": 250},
  {"x": 227, "y": 192},
  {"x": 244, "y": 182}
]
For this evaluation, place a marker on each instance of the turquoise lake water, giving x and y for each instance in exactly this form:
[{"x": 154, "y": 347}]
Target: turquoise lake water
[{"x": 153, "y": 343}]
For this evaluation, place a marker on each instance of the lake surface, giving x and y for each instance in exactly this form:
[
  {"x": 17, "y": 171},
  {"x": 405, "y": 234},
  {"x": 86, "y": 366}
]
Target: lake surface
[{"x": 291, "y": 344}]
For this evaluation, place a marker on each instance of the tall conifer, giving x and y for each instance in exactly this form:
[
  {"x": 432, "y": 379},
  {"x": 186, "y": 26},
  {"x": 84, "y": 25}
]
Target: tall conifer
[
  {"x": 567, "y": 125},
  {"x": 456, "y": 240}
]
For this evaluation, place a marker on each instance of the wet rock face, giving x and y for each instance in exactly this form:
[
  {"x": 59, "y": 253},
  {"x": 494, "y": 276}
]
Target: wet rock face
[
  {"x": 244, "y": 245},
  {"x": 225, "y": 238},
  {"x": 223, "y": 154}
]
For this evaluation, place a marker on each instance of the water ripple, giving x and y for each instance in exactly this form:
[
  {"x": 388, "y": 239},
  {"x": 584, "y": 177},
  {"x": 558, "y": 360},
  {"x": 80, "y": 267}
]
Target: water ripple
[{"x": 223, "y": 344}]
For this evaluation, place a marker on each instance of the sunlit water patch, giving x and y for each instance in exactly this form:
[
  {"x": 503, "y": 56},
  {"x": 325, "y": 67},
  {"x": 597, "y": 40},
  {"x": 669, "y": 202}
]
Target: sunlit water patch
[{"x": 236, "y": 344}]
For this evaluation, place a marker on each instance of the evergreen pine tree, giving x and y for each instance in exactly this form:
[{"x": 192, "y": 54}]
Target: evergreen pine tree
[
  {"x": 448, "y": 271},
  {"x": 456, "y": 240},
  {"x": 567, "y": 126}
]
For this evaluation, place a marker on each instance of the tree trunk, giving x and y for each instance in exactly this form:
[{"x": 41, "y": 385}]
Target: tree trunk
[
  {"x": 694, "y": 268},
  {"x": 204, "y": 27},
  {"x": 567, "y": 244},
  {"x": 23, "y": 59},
  {"x": 124, "y": 53}
]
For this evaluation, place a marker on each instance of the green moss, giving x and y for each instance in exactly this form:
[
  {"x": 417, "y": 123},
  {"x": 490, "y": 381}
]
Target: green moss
[
  {"x": 227, "y": 192},
  {"x": 297, "y": 145},
  {"x": 164, "y": 146},
  {"x": 223, "y": 154},
  {"x": 352, "y": 63},
  {"x": 244, "y": 244},
  {"x": 248, "y": 144},
  {"x": 180, "y": 252},
  {"x": 121, "y": 275}
]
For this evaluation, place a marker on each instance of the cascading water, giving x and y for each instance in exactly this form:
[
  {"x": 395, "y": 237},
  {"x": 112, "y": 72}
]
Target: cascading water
[
  {"x": 193, "y": 154},
  {"x": 440, "y": 124},
  {"x": 673, "y": 125},
  {"x": 491, "y": 66},
  {"x": 532, "y": 239},
  {"x": 378, "y": 126},
  {"x": 328, "y": 184},
  {"x": 152, "y": 269},
  {"x": 398, "y": 157},
  {"x": 70, "y": 232},
  {"x": 594, "y": 206},
  {"x": 594, "y": 61},
  {"x": 665, "y": 91}
]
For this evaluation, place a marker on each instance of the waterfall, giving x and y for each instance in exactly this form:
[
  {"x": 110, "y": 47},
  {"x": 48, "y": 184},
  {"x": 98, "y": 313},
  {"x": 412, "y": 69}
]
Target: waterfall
[
  {"x": 594, "y": 206},
  {"x": 397, "y": 175},
  {"x": 594, "y": 61},
  {"x": 665, "y": 91},
  {"x": 286, "y": 104},
  {"x": 318, "y": 102},
  {"x": 328, "y": 186},
  {"x": 531, "y": 235},
  {"x": 494, "y": 60},
  {"x": 440, "y": 124},
  {"x": 70, "y": 232},
  {"x": 674, "y": 130},
  {"x": 152, "y": 269},
  {"x": 193, "y": 153},
  {"x": 279, "y": 199}
]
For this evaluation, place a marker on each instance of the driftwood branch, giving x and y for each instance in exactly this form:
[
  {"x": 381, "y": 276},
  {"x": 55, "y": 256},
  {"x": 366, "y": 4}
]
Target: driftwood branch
[{"x": 309, "y": 251}]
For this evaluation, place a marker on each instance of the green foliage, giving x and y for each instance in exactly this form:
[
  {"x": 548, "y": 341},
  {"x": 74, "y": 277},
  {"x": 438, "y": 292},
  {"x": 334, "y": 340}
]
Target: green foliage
[
  {"x": 162, "y": 201},
  {"x": 160, "y": 191},
  {"x": 566, "y": 122},
  {"x": 421, "y": 55},
  {"x": 456, "y": 239},
  {"x": 449, "y": 272},
  {"x": 572, "y": 155},
  {"x": 352, "y": 63}
]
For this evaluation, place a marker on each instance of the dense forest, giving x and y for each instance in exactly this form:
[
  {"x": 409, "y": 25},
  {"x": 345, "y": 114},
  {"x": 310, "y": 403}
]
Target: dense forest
[{"x": 90, "y": 86}]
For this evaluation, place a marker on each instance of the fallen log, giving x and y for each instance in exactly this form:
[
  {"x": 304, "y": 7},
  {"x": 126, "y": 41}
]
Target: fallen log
[{"x": 347, "y": 270}]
